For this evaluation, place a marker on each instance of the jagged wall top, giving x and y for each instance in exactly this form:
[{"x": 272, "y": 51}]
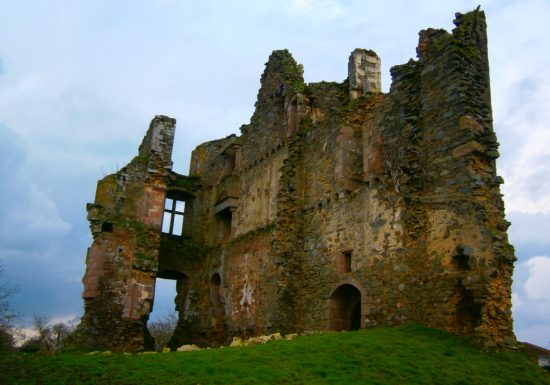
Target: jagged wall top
[
  {"x": 158, "y": 143},
  {"x": 282, "y": 76},
  {"x": 363, "y": 73}
]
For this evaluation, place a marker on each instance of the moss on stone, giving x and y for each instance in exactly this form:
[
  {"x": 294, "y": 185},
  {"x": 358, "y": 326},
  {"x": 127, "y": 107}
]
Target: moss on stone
[{"x": 185, "y": 182}]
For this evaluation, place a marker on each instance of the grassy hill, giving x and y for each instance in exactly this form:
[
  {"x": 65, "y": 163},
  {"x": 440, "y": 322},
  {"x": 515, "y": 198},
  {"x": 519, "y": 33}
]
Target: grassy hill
[{"x": 404, "y": 355}]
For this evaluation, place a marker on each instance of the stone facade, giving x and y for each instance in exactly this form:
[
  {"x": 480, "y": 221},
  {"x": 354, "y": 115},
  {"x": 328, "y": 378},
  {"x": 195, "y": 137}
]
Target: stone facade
[{"x": 338, "y": 207}]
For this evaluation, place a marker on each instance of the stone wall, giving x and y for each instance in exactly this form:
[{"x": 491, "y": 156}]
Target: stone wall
[
  {"x": 122, "y": 262},
  {"x": 338, "y": 207}
]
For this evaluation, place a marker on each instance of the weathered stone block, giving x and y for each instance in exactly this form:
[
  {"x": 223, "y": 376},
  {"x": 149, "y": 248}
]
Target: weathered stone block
[{"x": 472, "y": 146}]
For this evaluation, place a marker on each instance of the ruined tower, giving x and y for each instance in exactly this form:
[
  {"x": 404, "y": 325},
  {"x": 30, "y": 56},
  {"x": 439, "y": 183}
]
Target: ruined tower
[{"x": 338, "y": 207}]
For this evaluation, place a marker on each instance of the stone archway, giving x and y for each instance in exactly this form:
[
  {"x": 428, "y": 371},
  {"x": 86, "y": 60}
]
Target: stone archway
[{"x": 344, "y": 308}]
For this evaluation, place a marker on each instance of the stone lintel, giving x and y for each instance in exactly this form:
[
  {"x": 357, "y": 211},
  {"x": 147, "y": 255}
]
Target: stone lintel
[{"x": 226, "y": 203}]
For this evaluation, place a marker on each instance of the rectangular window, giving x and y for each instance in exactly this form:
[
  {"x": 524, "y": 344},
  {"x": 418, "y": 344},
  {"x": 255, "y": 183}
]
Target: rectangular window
[
  {"x": 172, "y": 221},
  {"x": 343, "y": 262}
]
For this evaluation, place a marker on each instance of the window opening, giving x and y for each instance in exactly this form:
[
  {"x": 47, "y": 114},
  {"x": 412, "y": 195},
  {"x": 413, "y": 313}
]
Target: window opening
[
  {"x": 461, "y": 258},
  {"x": 172, "y": 222},
  {"x": 224, "y": 219},
  {"x": 343, "y": 262}
]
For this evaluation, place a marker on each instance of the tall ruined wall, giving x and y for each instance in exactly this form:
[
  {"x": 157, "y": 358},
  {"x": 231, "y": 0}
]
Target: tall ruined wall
[
  {"x": 122, "y": 262},
  {"x": 338, "y": 207},
  {"x": 425, "y": 226},
  {"x": 456, "y": 209},
  {"x": 276, "y": 118},
  {"x": 234, "y": 213}
]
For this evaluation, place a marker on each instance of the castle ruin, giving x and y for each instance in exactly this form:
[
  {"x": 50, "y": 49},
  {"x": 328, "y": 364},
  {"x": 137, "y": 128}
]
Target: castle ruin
[{"x": 338, "y": 207}]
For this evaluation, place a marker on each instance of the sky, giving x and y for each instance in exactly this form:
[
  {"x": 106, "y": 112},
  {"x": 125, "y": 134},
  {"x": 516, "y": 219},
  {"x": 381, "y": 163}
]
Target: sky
[{"x": 80, "y": 81}]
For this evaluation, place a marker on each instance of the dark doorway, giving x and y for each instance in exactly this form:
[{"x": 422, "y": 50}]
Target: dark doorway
[
  {"x": 467, "y": 313},
  {"x": 216, "y": 297},
  {"x": 217, "y": 329},
  {"x": 345, "y": 308}
]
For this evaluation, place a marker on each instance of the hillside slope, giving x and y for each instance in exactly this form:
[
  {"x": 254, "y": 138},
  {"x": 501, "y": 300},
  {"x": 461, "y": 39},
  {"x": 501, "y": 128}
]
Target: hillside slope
[{"x": 408, "y": 354}]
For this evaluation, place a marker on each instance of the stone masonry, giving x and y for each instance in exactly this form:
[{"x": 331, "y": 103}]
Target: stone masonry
[{"x": 338, "y": 207}]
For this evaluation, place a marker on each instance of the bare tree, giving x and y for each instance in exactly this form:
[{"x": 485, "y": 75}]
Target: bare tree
[
  {"x": 47, "y": 337},
  {"x": 162, "y": 329},
  {"x": 8, "y": 316}
]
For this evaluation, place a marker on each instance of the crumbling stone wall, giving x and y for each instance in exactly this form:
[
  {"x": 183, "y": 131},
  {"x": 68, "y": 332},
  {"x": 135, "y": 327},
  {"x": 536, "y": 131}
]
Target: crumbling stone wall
[
  {"x": 337, "y": 207},
  {"x": 125, "y": 221}
]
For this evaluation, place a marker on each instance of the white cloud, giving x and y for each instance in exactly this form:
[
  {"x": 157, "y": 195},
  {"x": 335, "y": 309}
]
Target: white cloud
[
  {"x": 67, "y": 319},
  {"x": 315, "y": 9},
  {"x": 517, "y": 302},
  {"x": 24, "y": 334},
  {"x": 40, "y": 214},
  {"x": 529, "y": 228},
  {"x": 537, "y": 286},
  {"x": 538, "y": 334},
  {"x": 518, "y": 46},
  {"x": 31, "y": 218},
  {"x": 531, "y": 300}
]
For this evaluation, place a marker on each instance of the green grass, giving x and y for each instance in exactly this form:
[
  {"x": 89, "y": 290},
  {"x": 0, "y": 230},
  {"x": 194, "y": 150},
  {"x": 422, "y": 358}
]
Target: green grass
[{"x": 404, "y": 355}]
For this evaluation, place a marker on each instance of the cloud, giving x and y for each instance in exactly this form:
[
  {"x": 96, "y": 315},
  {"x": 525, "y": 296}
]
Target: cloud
[
  {"x": 529, "y": 229},
  {"x": 531, "y": 300},
  {"x": 41, "y": 249},
  {"x": 516, "y": 301},
  {"x": 521, "y": 94},
  {"x": 12, "y": 151},
  {"x": 35, "y": 215},
  {"x": 315, "y": 9},
  {"x": 537, "y": 286},
  {"x": 49, "y": 283},
  {"x": 531, "y": 294},
  {"x": 29, "y": 215},
  {"x": 538, "y": 334},
  {"x": 26, "y": 333}
]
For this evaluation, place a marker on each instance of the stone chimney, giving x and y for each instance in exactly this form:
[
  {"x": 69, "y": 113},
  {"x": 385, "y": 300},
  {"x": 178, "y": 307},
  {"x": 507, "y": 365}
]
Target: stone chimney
[{"x": 363, "y": 73}]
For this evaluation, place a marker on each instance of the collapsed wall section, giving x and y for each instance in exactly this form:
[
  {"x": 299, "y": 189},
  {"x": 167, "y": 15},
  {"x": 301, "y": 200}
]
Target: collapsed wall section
[{"x": 122, "y": 262}]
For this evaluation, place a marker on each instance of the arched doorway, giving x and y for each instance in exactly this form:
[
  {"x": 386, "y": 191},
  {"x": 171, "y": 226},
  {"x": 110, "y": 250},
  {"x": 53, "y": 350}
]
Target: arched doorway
[
  {"x": 217, "y": 329},
  {"x": 344, "y": 308},
  {"x": 216, "y": 297}
]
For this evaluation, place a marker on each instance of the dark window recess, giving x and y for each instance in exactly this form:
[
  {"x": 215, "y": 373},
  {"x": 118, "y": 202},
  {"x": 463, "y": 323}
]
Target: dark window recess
[
  {"x": 461, "y": 258},
  {"x": 172, "y": 222},
  {"x": 343, "y": 262},
  {"x": 107, "y": 226}
]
